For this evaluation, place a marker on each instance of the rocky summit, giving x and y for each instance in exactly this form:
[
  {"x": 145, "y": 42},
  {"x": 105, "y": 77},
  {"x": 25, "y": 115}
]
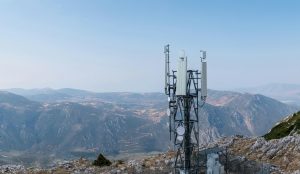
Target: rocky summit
[
  {"x": 283, "y": 153},
  {"x": 160, "y": 163},
  {"x": 243, "y": 154}
]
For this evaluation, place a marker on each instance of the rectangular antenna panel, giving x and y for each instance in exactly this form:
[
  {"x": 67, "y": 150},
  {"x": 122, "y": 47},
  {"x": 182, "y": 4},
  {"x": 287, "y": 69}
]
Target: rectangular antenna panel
[
  {"x": 204, "y": 80},
  {"x": 181, "y": 83},
  {"x": 167, "y": 70}
]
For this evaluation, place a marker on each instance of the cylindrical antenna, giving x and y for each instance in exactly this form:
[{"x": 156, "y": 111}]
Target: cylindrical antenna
[
  {"x": 203, "y": 76},
  {"x": 167, "y": 68}
]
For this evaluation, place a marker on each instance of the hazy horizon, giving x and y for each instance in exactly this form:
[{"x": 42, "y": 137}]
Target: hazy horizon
[
  {"x": 114, "y": 46},
  {"x": 239, "y": 89}
]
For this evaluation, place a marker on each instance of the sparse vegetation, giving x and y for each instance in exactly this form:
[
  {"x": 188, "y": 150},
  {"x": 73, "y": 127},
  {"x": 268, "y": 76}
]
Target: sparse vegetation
[
  {"x": 101, "y": 161},
  {"x": 285, "y": 128},
  {"x": 119, "y": 162}
]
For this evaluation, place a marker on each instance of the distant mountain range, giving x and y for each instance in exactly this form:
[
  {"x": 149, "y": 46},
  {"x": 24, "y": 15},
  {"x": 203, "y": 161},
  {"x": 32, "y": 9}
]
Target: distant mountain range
[
  {"x": 68, "y": 122},
  {"x": 244, "y": 113},
  {"x": 286, "y": 93}
]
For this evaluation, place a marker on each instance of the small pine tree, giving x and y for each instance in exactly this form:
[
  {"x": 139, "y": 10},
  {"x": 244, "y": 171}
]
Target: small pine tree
[{"x": 101, "y": 161}]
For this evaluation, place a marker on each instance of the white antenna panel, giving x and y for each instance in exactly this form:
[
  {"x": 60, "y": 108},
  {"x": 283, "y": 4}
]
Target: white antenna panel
[
  {"x": 204, "y": 80},
  {"x": 181, "y": 76}
]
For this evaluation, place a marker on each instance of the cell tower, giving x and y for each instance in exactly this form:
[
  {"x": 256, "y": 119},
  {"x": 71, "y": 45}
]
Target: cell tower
[{"x": 187, "y": 92}]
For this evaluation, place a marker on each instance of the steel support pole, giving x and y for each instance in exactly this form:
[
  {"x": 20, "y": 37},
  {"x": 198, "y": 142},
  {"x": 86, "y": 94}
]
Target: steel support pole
[{"x": 187, "y": 136}]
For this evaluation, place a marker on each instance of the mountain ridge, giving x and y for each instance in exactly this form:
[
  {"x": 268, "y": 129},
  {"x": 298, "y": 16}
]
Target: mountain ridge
[
  {"x": 120, "y": 123},
  {"x": 287, "y": 93}
]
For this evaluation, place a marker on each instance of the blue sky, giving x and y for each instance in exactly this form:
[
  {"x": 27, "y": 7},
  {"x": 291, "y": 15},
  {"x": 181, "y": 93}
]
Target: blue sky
[{"x": 116, "y": 45}]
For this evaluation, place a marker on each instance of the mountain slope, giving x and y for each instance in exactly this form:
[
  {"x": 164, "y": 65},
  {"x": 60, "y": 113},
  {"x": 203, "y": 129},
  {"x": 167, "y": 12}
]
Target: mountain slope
[
  {"x": 17, "y": 120},
  {"x": 280, "y": 147},
  {"x": 106, "y": 128},
  {"x": 245, "y": 114},
  {"x": 260, "y": 113},
  {"x": 67, "y": 128},
  {"x": 221, "y": 98},
  {"x": 120, "y": 123},
  {"x": 289, "y": 126},
  {"x": 283, "y": 153}
]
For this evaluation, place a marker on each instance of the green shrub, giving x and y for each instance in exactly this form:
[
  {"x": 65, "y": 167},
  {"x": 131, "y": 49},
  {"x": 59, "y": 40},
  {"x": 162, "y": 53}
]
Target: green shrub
[
  {"x": 285, "y": 128},
  {"x": 101, "y": 161}
]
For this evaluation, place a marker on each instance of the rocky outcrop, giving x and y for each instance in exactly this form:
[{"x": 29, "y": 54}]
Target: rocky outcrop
[
  {"x": 283, "y": 153},
  {"x": 160, "y": 163},
  {"x": 246, "y": 155},
  {"x": 12, "y": 169}
]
